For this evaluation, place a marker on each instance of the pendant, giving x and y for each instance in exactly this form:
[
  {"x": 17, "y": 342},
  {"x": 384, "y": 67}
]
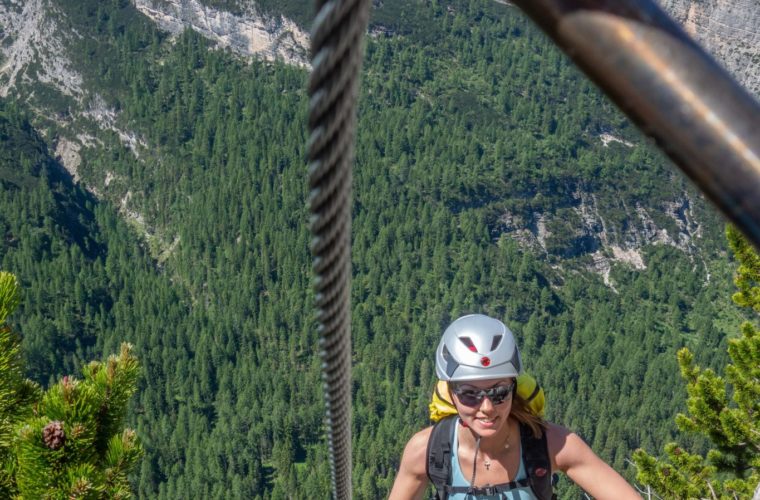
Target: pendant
[{"x": 487, "y": 463}]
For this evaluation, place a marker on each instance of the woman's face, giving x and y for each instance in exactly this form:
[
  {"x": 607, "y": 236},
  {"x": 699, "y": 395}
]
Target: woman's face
[{"x": 474, "y": 401}]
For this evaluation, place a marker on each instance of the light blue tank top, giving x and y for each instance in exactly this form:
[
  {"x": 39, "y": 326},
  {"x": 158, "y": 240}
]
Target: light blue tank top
[{"x": 458, "y": 479}]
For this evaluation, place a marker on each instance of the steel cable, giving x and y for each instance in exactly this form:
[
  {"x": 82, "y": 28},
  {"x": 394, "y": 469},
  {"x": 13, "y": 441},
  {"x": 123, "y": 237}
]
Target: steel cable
[{"x": 337, "y": 52}]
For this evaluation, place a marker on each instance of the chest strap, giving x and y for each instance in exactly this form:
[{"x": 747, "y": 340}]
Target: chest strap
[{"x": 487, "y": 490}]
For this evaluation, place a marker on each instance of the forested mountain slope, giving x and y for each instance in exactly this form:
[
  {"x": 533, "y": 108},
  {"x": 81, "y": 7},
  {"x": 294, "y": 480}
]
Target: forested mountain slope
[{"x": 483, "y": 183}]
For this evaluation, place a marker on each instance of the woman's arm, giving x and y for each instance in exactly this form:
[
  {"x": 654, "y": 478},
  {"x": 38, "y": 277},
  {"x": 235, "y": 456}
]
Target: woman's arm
[
  {"x": 411, "y": 479},
  {"x": 572, "y": 455}
]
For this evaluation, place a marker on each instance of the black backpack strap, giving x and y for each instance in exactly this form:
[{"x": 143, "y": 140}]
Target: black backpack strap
[
  {"x": 535, "y": 454},
  {"x": 438, "y": 465}
]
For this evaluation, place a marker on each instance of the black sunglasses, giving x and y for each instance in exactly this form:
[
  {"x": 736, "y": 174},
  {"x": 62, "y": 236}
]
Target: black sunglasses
[{"x": 473, "y": 397}]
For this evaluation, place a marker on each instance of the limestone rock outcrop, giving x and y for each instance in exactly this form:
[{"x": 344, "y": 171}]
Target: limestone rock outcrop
[{"x": 249, "y": 34}]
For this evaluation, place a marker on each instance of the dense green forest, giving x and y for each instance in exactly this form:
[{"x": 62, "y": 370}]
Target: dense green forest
[{"x": 211, "y": 282}]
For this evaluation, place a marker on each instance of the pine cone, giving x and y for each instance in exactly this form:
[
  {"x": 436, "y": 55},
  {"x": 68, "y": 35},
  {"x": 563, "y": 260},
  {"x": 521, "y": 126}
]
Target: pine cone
[{"x": 53, "y": 435}]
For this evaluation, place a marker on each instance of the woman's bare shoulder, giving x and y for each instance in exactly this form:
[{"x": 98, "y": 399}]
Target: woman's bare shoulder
[
  {"x": 411, "y": 479},
  {"x": 568, "y": 450},
  {"x": 556, "y": 432},
  {"x": 415, "y": 452},
  {"x": 564, "y": 446},
  {"x": 422, "y": 436}
]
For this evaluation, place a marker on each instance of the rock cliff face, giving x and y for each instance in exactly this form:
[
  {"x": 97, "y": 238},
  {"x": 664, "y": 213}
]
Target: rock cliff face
[
  {"x": 28, "y": 54},
  {"x": 728, "y": 29},
  {"x": 33, "y": 47},
  {"x": 601, "y": 243},
  {"x": 248, "y": 35}
]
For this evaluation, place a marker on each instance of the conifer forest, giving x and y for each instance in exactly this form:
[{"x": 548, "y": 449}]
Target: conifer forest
[{"x": 478, "y": 158}]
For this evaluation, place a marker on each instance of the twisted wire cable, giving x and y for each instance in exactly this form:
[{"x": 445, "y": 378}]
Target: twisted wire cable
[{"x": 337, "y": 52}]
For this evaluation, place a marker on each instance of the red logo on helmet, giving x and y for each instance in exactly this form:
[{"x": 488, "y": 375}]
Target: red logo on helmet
[{"x": 485, "y": 361}]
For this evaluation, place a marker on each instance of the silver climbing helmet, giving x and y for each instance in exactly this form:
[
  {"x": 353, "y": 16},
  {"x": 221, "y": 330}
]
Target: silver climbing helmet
[{"x": 477, "y": 347}]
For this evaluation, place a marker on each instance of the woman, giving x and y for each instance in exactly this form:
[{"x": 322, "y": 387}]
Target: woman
[{"x": 495, "y": 446}]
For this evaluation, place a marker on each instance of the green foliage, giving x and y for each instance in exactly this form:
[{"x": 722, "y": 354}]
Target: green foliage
[
  {"x": 300, "y": 11},
  {"x": 16, "y": 393},
  {"x": 94, "y": 456},
  {"x": 10, "y": 295},
  {"x": 731, "y": 469},
  {"x": 747, "y": 278},
  {"x": 67, "y": 442}
]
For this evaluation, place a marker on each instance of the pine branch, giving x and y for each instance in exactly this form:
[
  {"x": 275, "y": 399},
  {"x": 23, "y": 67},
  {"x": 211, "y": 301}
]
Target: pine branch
[
  {"x": 67, "y": 442},
  {"x": 732, "y": 426}
]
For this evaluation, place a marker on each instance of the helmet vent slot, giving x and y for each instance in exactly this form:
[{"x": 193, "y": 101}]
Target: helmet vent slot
[
  {"x": 496, "y": 341},
  {"x": 466, "y": 341}
]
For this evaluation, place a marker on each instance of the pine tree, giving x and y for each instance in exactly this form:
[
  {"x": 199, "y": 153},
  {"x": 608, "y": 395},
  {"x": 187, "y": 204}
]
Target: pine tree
[
  {"x": 16, "y": 393},
  {"x": 731, "y": 469},
  {"x": 67, "y": 442}
]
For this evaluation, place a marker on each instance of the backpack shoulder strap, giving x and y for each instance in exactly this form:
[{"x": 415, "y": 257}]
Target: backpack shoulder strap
[
  {"x": 535, "y": 454},
  {"x": 438, "y": 465}
]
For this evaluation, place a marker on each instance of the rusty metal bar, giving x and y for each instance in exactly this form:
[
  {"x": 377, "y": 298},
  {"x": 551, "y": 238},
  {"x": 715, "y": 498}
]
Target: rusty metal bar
[{"x": 677, "y": 94}]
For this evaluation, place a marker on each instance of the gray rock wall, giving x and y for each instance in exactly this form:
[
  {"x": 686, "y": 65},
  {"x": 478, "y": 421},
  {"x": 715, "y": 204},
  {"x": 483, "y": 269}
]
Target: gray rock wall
[{"x": 249, "y": 34}]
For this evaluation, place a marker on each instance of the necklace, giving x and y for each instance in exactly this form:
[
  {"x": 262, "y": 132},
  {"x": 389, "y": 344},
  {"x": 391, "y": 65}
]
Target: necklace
[{"x": 486, "y": 460}]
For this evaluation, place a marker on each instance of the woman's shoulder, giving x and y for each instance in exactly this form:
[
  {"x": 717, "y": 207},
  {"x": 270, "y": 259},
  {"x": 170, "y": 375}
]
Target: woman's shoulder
[
  {"x": 414, "y": 459},
  {"x": 555, "y": 432},
  {"x": 419, "y": 442},
  {"x": 565, "y": 446},
  {"x": 411, "y": 479}
]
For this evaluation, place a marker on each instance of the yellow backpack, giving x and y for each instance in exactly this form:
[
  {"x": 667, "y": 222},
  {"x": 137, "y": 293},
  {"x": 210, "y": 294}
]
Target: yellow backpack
[{"x": 441, "y": 405}]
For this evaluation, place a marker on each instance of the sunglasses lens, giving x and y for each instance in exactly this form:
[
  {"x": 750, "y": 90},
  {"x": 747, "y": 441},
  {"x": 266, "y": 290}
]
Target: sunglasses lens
[
  {"x": 470, "y": 398},
  {"x": 497, "y": 395}
]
